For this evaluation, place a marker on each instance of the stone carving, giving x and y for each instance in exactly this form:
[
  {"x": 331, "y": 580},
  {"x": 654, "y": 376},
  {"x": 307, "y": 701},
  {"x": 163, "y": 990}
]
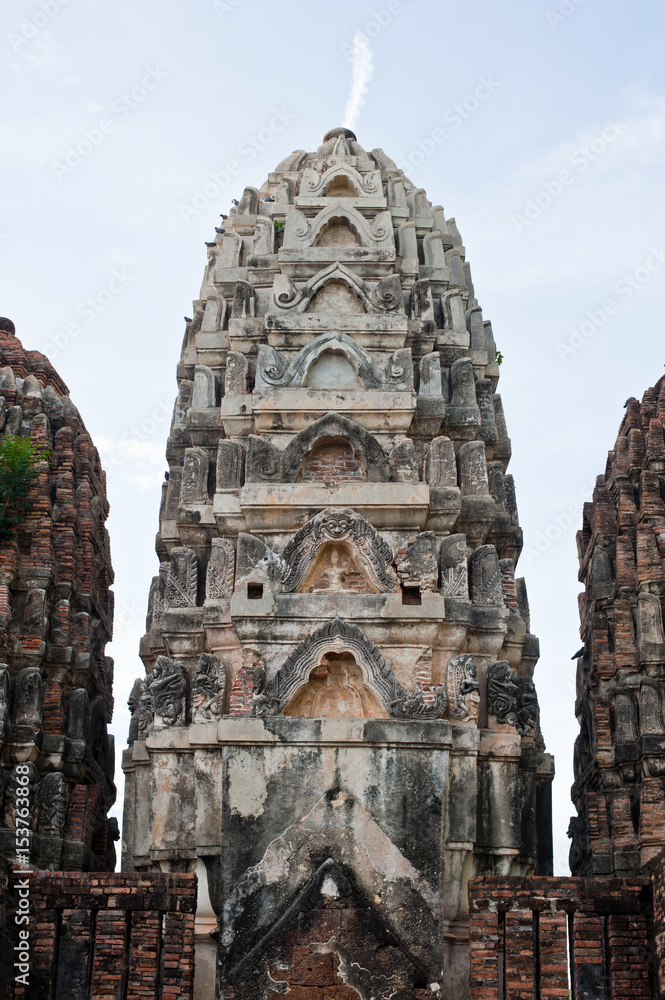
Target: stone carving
[
  {"x": 386, "y": 296},
  {"x": 133, "y": 703},
  {"x": 244, "y": 298},
  {"x": 602, "y": 577},
  {"x": 336, "y": 636},
  {"x": 454, "y": 572},
  {"x": 404, "y": 462},
  {"x": 230, "y": 465},
  {"x": 156, "y": 597},
  {"x": 440, "y": 463},
  {"x": 417, "y": 564},
  {"x": 303, "y": 232},
  {"x": 28, "y": 697},
  {"x": 181, "y": 582},
  {"x": 412, "y": 704},
  {"x": 194, "y": 488},
  {"x": 203, "y": 394},
  {"x": 528, "y": 713},
  {"x": 34, "y": 622},
  {"x": 649, "y": 619},
  {"x": 220, "y": 572},
  {"x": 208, "y": 687},
  {"x": 145, "y": 710},
  {"x": 275, "y": 369},
  {"x": 214, "y": 316},
  {"x": 167, "y": 688},
  {"x": 502, "y": 693},
  {"x": 79, "y": 714},
  {"x": 52, "y": 792},
  {"x": 249, "y": 203},
  {"x": 421, "y": 303},
  {"x": 235, "y": 376},
  {"x": 316, "y": 185},
  {"x": 486, "y": 587},
  {"x": 264, "y": 238},
  {"x": 473, "y": 469},
  {"x": 266, "y": 464},
  {"x": 463, "y": 689},
  {"x": 339, "y": 525}
]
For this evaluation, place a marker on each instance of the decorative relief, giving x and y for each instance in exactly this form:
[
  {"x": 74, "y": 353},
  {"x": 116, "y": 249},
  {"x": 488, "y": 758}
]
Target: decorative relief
[
  {"x": 167, "y": 689},
  {"x": 274, "y": 369},
  {"x": 502, "y": 692},
  {"x": 339, "y": 525},
  {"x": 208, "y": 687},
  {"x": 52, "y": 797},
  {"x": 454, "y": 573},
  {"x": 334, "y": 638},
  {"x": 220, "y": 572},
  {"x": 181, "y": 582},
  {"x": 463, "y": 689},
  {"x": 386, "y": 296},
  {"x": 486, "y": 585},
  {"x": 316, "y": 185}
]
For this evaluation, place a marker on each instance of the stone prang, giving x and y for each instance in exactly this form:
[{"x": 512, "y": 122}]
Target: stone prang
[
  {"x": 56, "y": 616},
  {"x": 619, "y": 756},
  {"x": 337, "y": 726}
]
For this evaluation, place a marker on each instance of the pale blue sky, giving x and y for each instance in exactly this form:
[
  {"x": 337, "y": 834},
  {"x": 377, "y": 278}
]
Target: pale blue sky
[{"x": 553, "y": 169}]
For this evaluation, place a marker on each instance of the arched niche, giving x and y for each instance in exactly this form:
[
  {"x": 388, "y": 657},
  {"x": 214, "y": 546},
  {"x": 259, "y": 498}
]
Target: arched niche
[
  {"x": 336, "y": 571},
  {"x": 342, "y": 186},
  {"x": 332, "y": 459},
  {"x": 332, "y": 369},
  {"x": 336, "y": 688},
  {"x": 337, "y": 297},
  {"x": 338, "y": 231}
]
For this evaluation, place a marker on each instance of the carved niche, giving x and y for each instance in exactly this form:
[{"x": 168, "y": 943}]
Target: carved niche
[
  {"x": 340, "y": 181},
  {"x": 502, "y": 693},
  {"x": 275, "y": 369},
  {"x": 338, "y": 671},
  {"x": 319, "y": 549}
]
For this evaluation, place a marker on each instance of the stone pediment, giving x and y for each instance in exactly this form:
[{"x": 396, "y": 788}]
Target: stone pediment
[
  {"x": 371, "y": 552},
  {"x": 385, "y": 296},
  {"x": 304, "y": 232},
  {"x": 316, "y": 185},
  {"x": 275, "y": 369}
]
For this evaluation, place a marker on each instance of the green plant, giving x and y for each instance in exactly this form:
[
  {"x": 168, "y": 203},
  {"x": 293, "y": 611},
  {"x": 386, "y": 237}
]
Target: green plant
[
  {"x": 279, "y": 225},
  {"x": 498, "y": 357},
  {"x": 19, "y": 461}
]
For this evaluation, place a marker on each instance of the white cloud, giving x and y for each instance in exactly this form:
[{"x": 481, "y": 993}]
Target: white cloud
[{"x": 363, "y": 72}]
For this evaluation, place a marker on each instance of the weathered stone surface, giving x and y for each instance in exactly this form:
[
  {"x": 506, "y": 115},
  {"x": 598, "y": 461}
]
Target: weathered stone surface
[{"x": 316, "y": 727}]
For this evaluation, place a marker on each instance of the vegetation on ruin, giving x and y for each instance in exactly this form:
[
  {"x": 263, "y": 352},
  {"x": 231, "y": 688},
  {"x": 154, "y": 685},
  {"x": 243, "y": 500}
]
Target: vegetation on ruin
[{"x": 19, "y": 468}]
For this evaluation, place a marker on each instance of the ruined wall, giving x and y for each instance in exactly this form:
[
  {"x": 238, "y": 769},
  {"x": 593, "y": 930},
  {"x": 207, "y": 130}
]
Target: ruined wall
[
  {"x": 338, "y": 655},
  {"x": 557, "y": 937},
  {"x": 619, "y": 761},
  {"x": 56, "y": 614},
  {"x": 101, "y": 937}
]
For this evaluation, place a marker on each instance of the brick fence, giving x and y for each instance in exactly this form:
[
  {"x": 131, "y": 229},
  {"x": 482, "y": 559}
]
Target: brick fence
[
  {"x": 555, "y": 937},
  {"x": 102, "y": 937}
]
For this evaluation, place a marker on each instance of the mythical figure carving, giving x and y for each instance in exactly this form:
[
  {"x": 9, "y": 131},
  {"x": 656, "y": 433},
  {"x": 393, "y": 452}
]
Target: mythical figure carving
[
  {"x": 220, "y": 572},
  {"x": 502, "y": 692},
  {"x": 527, "y": 707},
  {"x": 339, "y": 525},
  {"x": 412, "y": 704},
  {"x": 208, "y": 687},
  {"x": 167, "y": 687},
  {"x": 463, "y": 688},
  {"x": 133, "y": 703}
]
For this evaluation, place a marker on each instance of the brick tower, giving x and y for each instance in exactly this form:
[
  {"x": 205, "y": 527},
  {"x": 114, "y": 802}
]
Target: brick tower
[
  {"x": 56, "y": 614},
  {"x": 338, "y": 724},
  {"x": 619, "y": 756}
]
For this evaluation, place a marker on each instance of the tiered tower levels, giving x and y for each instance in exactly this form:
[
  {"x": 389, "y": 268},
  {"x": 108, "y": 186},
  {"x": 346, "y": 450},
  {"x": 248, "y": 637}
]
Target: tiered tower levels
[
  {"x": 338, "y": 713},
  {"x": 619, "y": 761},
  {"x": 56, "y": 616}
]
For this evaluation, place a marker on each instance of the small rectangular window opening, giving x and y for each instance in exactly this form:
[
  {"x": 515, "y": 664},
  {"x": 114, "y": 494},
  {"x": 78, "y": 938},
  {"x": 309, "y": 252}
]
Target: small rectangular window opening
[
  {"x": 254, "y": 591},
  {"x": 411, "y": 595}
]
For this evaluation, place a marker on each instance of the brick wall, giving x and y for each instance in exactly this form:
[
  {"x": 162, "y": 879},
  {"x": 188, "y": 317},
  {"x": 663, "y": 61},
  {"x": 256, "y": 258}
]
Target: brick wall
[
  {"x": 657, "y": 872},
  {"x": 332, "y": 462},
  {"x": 527, "y": 936},
  {"x": 104, "y": 936}
]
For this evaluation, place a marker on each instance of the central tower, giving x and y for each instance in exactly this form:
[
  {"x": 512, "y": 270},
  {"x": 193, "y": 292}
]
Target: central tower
[{"x": 338, "y": 725}]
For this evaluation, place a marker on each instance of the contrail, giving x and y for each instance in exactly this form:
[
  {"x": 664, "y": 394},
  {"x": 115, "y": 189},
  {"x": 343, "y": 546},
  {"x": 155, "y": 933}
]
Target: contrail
[{"x": 363, "y": 71}]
